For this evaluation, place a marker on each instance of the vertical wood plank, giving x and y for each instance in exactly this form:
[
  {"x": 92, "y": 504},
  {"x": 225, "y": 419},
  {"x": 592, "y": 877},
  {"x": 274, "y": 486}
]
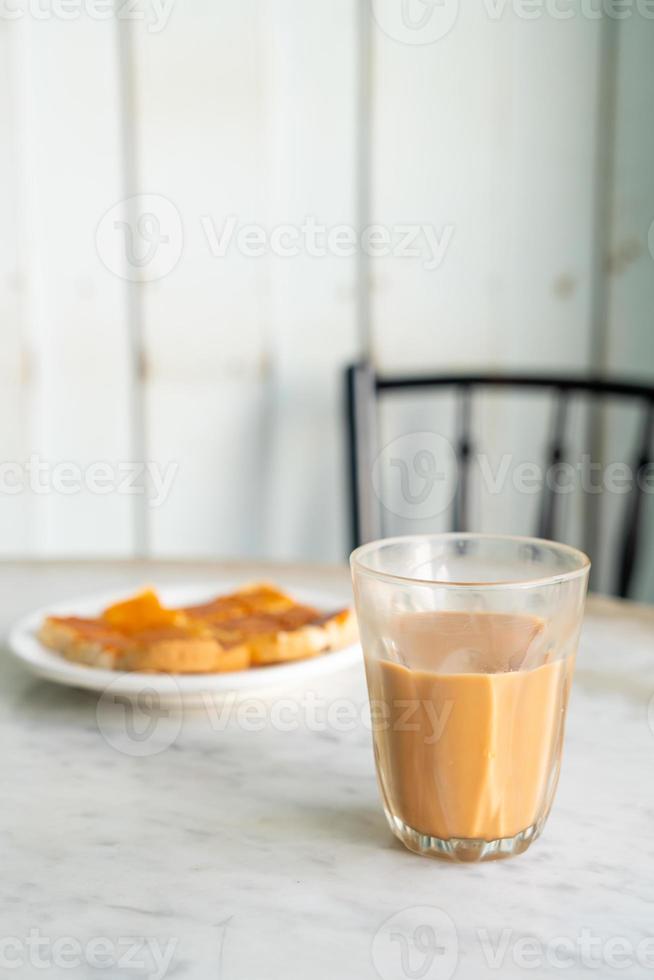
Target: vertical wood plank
[
  {"x": 66, "y": 99},
  {"x": 14, "y": 369},
  {"x": 197, "y": 120},
  {"x": 629, "y": 269},
  {"x": 311, "y": 86},
  {"x": 244, "y": 351},
  {"x": 479, "y": 133}
]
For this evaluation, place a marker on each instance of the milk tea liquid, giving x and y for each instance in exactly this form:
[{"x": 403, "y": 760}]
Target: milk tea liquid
[{"x": 469, "y": 731}]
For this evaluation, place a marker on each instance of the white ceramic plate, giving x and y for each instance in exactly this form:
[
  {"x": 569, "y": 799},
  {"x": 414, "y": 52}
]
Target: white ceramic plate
[{"x": 189, "y": 688}]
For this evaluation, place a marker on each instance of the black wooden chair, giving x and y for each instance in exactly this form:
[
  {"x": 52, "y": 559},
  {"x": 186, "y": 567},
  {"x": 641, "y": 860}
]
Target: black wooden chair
[{"x": 364, "y": 388}]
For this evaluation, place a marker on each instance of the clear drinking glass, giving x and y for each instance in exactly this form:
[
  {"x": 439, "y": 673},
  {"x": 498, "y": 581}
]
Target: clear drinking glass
[{"x": 469, "y": 643}]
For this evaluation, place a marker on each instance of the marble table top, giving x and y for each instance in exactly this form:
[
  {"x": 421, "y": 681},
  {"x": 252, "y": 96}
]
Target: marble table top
[{"x": 250, "y": 844}]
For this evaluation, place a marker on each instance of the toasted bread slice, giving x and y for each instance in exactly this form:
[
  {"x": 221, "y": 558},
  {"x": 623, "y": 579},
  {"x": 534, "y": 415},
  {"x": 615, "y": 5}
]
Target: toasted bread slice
[
  {"x": 273, "y": 627},
  {"x": 287, "y": 632},
  {"x": 253, "y": 599},
  {"x": 270, "y": 644},
  {"x": 85, "y": 641},
  {"x": 169, "y": 649},
  {"x": 341, "y": 628},
  {"x": 173, "y": 651},
  {"x": 319, "y": 635}
]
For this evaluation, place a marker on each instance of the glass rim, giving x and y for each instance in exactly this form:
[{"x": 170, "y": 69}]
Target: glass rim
[{"x": 580, "y": 557}]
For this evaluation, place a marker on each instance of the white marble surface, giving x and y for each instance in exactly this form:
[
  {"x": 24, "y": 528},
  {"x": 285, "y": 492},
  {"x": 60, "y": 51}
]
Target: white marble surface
[{"x": 264, "y": 855}]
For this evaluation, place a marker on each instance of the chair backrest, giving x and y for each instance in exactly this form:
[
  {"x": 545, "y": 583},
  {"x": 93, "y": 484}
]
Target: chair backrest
[{"x": 364, "y": 388}]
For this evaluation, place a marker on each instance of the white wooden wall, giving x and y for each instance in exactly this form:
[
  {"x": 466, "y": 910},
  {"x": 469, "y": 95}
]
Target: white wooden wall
[{"x": 227, "y": 368}]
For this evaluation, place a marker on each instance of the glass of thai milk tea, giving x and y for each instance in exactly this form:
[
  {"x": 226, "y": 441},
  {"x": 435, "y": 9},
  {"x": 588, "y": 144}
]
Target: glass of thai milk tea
[{"x": 469, "y": 643}]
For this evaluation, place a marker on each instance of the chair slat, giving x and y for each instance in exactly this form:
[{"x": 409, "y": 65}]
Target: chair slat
[
  {"x": 550, "y": 499},
  {"x": 634, "y": 507},
  {"x": 460, "y": 514}
]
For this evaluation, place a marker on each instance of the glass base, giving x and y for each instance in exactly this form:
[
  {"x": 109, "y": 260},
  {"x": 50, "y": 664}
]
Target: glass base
[{"x": 463, "y": 848}]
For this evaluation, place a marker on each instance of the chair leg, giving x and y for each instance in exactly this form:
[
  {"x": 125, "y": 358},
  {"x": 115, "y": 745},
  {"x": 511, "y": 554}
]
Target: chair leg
[
  {"x": 352, "y": 475},
  {"x": 361, "y": 407}
]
